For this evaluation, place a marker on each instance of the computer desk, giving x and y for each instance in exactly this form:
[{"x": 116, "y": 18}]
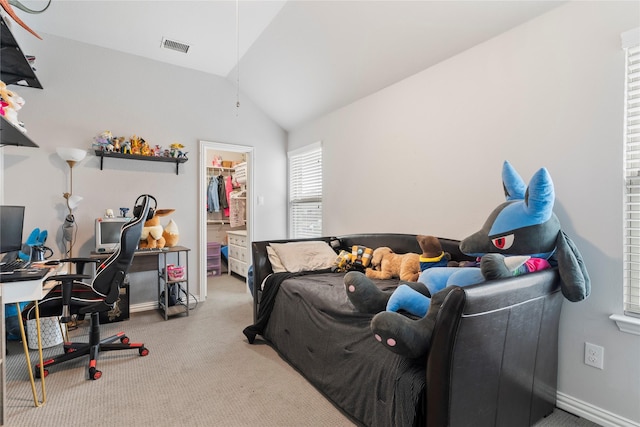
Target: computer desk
[{"x": 17, "y": 292}]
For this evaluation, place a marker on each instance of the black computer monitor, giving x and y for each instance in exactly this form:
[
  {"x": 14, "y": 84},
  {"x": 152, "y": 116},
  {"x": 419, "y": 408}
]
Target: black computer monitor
[{"x": 11, "y": 224}]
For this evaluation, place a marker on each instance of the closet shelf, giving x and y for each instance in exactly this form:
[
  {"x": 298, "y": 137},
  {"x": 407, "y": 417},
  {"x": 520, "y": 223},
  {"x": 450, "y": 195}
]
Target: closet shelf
[{"x": 218, "y": 221}]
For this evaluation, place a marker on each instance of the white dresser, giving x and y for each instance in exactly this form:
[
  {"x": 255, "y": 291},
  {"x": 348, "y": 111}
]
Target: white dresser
[{"x": 238, "y": 252}]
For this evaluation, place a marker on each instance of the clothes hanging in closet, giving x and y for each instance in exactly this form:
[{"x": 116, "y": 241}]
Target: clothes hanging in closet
[
  {"x": 222, "y": 195},
  {"x": 213, "y": 203},
  {"x": 228, "y": 189}
]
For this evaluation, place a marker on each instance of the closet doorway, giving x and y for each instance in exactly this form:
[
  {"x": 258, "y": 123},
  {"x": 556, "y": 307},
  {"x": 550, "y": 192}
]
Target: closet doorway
[{"x": 225, "y": 170}]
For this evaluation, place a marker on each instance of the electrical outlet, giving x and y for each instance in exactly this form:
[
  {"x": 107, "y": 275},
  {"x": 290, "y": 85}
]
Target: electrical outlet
[{"x": 594, "y": 355}]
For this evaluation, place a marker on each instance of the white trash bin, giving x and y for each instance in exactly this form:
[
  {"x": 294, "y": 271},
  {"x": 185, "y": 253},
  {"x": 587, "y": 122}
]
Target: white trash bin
[{"x": 50, "y": 333}]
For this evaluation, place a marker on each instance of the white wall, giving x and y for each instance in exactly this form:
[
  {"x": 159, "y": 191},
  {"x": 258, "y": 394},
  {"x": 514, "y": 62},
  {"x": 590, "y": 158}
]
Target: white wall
[
  {"x": 425, "y": 156},
  {"x": 88, "y": 90}
]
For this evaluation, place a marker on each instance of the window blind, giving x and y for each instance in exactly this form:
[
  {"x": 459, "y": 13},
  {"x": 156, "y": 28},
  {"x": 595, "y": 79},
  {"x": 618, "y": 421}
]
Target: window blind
[
  {"x": 305, "y": 192},
  {"x": 631, "y": 44}
]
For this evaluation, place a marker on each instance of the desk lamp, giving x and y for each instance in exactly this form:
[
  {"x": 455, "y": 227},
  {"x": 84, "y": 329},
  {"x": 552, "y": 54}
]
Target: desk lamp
[{"x": 71, "y": 156}]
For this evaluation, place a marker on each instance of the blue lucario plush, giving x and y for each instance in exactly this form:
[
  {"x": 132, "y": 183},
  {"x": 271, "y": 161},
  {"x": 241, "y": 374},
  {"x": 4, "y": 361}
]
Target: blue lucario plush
[{"x": 520, "y": 236}]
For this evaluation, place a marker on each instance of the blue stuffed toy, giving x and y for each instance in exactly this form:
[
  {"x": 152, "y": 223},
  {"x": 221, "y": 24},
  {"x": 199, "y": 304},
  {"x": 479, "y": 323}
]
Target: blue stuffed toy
[{"x": 520, "y": 236}]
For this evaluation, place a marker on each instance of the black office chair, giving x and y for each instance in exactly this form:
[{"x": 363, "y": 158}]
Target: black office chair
[{"x": 73, "y": 297}]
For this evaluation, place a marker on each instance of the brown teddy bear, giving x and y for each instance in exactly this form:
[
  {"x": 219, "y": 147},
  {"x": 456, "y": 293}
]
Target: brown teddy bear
[
  {"x": 152, "y": 232},
  {"x": 386, "y": 264}
]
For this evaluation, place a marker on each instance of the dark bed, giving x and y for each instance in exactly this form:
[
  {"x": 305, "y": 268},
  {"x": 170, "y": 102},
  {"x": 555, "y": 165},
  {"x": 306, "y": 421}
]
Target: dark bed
[{"x": 492, "y": 358}]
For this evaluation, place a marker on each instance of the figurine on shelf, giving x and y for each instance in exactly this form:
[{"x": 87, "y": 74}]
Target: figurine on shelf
[
  {"x": 103, "y": 141},
  {"x": 175, "y": 149},
  {"x": 145, "y": 150},
  {"x": 117, "y": 144},
  {"x": 136, "y": 144}
]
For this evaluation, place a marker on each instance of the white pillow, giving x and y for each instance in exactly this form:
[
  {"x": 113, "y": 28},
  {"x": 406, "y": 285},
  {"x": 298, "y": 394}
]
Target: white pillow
[
  {"x": 304, "y": 256},
  {"x": 276, "y": 264}
]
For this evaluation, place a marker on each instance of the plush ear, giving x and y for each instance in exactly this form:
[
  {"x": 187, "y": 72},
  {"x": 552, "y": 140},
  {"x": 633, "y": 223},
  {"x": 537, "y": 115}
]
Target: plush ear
[
  {"x": 540, "y": 197},
  {"x": 512, "y": 183},
  {"x": 575, "y": 281},
  {"x": 164, "y": 212}
]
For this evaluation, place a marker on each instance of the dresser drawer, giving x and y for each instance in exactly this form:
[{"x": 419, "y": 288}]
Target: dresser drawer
[
  {"x": 237, "y": 252},
  {"x": 238, "y": 240},
  {"x": 238, "y": 267}
]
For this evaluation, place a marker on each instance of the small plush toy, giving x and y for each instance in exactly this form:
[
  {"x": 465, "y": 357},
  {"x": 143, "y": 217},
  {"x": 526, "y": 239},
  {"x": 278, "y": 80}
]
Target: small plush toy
[
  {"x": 520, "y": 236},
  {"x": 358, "y": 259},
  {"x": 152, "y": 232},
  {"x": 10, "y": 103},
  {"x": 386, "y": 264}
]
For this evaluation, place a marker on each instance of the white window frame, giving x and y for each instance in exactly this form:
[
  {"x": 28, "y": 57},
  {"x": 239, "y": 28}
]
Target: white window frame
[
  {"x": 305, "y": 191},
  {"x": 631, "y": 164}
]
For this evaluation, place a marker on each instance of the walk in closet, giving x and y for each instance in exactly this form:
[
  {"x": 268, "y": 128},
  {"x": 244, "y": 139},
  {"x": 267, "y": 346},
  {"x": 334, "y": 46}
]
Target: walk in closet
[{"x": 226, "y": 208}]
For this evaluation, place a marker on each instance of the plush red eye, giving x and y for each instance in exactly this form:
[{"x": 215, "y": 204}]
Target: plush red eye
[{"x": 503, "y": 242}]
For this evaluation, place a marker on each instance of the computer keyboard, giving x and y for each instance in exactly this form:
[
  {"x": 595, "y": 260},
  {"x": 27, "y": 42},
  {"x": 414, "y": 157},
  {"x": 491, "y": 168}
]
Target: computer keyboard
[{"x": 16, "y": 264}]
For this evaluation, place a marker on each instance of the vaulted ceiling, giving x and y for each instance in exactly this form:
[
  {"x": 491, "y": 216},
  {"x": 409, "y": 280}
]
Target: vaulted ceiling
[{"x": 297, "y": 59}]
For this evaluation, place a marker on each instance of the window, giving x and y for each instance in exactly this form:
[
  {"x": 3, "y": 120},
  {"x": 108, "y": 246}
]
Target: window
[
  {"x": 631, "y": 45},
  {"x": 305, "y": 192}
]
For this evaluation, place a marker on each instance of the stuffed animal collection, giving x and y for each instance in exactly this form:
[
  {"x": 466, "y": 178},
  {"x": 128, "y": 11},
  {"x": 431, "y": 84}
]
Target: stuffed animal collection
[
  {"x": 520, "y": 236},
  {"x": 106, "y": 141}
]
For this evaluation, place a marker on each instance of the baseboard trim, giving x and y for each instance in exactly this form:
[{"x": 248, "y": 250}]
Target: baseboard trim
[
  {"x": 592, "y": 413},
  {"x": 143, "y": 306},
  {"x": 150, "y": 305}
]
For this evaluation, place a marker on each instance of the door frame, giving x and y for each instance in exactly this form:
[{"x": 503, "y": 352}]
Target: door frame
[{"x": 206, "y": 146}]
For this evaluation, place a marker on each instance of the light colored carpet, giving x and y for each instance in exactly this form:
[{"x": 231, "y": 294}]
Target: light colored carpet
[{"x": 200, "y": 372}]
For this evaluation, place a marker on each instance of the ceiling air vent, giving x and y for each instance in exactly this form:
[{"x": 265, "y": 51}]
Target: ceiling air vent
[{"x": 175, "y": 45}]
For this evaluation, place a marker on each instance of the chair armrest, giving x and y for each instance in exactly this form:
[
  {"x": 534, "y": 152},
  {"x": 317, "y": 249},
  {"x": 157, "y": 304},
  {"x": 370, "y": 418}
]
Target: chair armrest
[
  {"x": 81, "y": 262},
  {"x": 66, "y": 284}
]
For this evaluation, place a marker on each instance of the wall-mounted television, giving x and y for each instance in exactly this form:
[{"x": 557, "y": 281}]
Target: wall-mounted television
[{"x": 108, "y": 233}]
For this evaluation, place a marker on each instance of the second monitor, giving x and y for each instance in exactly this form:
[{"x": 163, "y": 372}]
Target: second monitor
[{"x": 108, "y": 233}]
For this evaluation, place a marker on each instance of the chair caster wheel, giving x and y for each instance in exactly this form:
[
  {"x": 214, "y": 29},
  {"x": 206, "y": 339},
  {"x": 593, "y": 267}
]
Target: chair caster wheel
[
  {"x": 94, "y": 374},
  {"x": 143, "y": 351},
  {"x": 124, "y": 340},
  {"x": 37, "y": 372}
]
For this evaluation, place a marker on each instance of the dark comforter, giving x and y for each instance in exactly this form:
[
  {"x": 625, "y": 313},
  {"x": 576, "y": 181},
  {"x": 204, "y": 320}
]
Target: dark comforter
[{"x": 314, "y": 327}]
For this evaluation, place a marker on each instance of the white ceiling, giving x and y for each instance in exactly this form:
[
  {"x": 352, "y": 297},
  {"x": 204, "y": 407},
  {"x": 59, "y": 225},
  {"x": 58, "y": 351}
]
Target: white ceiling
[{"x": 298, "y": 59}]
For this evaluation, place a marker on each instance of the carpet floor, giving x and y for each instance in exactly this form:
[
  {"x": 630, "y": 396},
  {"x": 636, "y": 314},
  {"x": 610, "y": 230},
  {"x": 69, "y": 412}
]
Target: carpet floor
[{"x": 200, "y": 372}]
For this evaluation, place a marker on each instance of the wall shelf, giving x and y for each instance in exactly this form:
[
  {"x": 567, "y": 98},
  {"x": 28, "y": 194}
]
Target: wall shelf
[
  {"x": 15, "y": 67},
  {"x": 105, "y": 154},
  {"x": 11, "y": 135}
]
